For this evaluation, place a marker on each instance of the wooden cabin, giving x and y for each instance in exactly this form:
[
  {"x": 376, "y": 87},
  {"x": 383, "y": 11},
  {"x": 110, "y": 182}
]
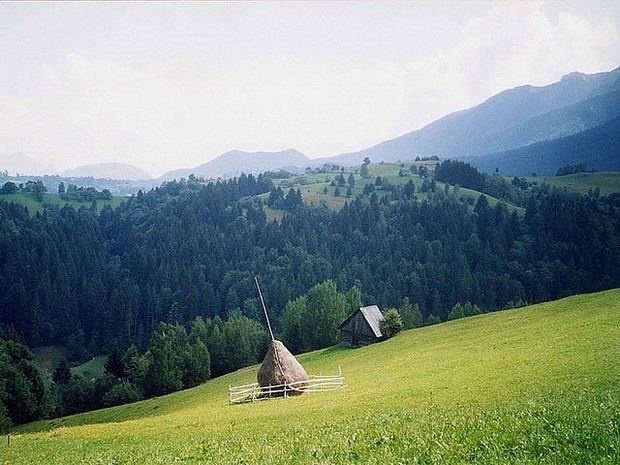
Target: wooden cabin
[{"x": 362, "y": 327}]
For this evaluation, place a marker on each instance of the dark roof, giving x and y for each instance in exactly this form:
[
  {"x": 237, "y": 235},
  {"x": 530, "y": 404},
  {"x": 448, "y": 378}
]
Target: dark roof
[{"x": 373, "y": 316}]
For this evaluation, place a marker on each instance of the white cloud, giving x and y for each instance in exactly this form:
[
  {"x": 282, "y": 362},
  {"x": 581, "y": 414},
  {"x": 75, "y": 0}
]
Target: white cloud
[
  {"x": 515, "y": 43},
  {"x": 549, "y": 45}
]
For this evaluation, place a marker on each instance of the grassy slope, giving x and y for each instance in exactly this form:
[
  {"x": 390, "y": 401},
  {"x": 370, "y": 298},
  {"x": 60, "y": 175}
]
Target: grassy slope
[
  {"x": 48, "y": 357},
  {"x": 608, "y": 183},
  {"x": 313, "y": 186},
  {"x": 34, "y": 206},
  {"x": 91, "y": 369},
  {"x": 538, "y": 384}
]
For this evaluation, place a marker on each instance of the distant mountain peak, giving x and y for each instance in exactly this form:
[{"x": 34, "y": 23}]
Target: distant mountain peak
[
  {"x": 574, "y": 76},
  {"x": 288, "y": 153},
  {"x": 236, "y": 162},
  {"x": 119, "y": 171},
  {"x": 510, "y": 119},
  {"x": 19, "y": 163}
]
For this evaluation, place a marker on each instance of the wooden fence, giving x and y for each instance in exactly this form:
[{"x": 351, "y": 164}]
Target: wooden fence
[{"x": 253, "y": 392}]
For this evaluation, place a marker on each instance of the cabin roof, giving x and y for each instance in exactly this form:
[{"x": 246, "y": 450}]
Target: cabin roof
[{"x": 373, "y": 316}]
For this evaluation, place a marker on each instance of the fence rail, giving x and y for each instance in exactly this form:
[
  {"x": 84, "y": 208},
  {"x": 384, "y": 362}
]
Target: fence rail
[{"x": 253, "y": 392}]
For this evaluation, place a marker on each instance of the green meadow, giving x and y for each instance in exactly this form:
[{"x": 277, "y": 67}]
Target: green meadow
[
  {"x": 581, "y": 183},
  {"x": 35, "y": 206},
  {"x": 539, "y": 384}
]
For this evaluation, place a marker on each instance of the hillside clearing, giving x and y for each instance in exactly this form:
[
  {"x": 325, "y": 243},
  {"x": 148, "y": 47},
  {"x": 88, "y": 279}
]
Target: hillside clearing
[
  {"x": 52, "y": 200},
  {"x": 533, "y": 385},
  {"x": 606, "y": 182}
]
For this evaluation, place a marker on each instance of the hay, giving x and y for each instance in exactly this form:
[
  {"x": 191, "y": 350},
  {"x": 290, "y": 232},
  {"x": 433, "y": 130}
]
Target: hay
[{"x": 280, "y": 367}]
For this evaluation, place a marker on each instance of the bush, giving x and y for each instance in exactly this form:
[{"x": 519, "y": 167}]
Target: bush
[
  {"x": 123, "y": 392},
  {"x": 391, "y": 324},
  {"x": 456, "y": 312},
  {"x": 9, "y": 188}
]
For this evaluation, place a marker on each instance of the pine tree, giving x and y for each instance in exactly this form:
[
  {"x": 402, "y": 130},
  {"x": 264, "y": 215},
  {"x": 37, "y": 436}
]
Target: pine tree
[
  {"x": 62, "y": 373},
  {"x": 115, "y": 364},
  {"x": 411, "y": 315}
]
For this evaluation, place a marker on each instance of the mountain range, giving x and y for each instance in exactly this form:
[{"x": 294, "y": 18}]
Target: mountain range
[
  {"x": 511, "y": 119},
  {"x": 598, "y": 147},
  {"x": 518, "y": 131},
  {"x": 236, "y": 162}
]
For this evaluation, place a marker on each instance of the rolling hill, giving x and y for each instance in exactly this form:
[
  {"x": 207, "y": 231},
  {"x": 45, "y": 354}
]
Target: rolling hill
[
  {"x": 606, "y": 183},
  {"x": 533, "y": 385}
]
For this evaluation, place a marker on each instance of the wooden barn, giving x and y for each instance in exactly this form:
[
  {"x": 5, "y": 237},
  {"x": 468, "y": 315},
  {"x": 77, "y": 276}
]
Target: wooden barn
[{"x": 362, "y": 327}]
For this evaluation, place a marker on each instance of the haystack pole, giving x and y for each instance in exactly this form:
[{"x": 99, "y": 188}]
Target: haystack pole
[
  {"x": 279, "y": 367},
  {"x": 262, "y": 302}
]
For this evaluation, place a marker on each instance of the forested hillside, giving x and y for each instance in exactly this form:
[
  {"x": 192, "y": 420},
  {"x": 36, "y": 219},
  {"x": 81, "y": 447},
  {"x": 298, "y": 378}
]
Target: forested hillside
[
  {"x": 185, "y": 254},
  {"x": 92, "y": 280},
  {"x": 597, "y": 147}
]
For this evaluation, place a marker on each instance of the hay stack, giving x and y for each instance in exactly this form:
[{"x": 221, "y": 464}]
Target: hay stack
[{"x": 281, "y": 367}]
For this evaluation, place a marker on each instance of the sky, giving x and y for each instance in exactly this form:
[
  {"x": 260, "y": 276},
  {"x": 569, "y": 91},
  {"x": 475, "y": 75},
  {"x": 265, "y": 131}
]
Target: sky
[{"x": 167, "y": 85}]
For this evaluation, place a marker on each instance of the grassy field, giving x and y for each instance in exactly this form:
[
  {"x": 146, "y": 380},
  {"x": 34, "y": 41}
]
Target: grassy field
[
  {"x": 608, "y": 183},
  {"x": 91, "y": 369},
  {"x": 49, "y": 357},
  {"x": 534, "y": 385},
  {"x": 316, "y": 189},
  {"x": 29, "y": 200}
]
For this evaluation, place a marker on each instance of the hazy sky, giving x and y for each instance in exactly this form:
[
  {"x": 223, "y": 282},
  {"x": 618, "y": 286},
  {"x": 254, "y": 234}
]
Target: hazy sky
[{"x": 172, "y": 85}]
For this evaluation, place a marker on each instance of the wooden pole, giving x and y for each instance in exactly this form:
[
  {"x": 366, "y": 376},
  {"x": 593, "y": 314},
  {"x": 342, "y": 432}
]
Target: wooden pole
[{"x": 262, "y": 301}]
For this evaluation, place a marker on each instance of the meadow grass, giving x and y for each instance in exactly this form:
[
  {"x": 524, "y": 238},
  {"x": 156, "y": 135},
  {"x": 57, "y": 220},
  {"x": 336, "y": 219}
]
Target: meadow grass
[
  {"x": 34, "y": 206},
  {"x": 538, "y": 384},
  {"x": 94, "y": 368},
  {"x": 316, "y": 189},
  {"x": 581, "y": 183}
]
